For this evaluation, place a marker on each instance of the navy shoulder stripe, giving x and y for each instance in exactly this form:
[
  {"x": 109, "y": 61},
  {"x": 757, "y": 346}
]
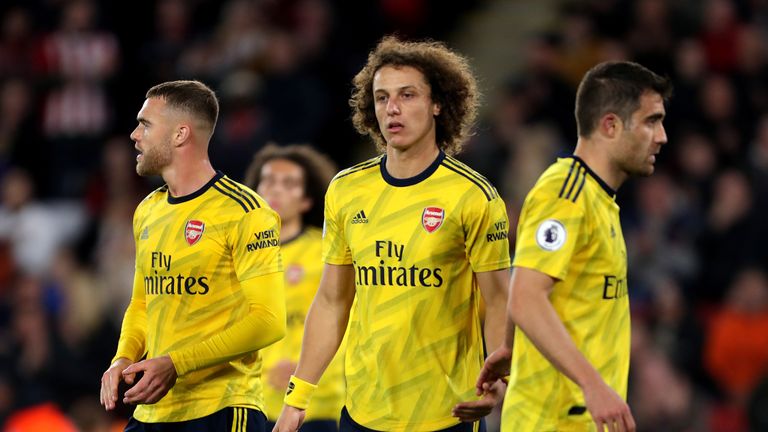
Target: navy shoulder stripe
[
  {"x": 230, "y": 195},
  {"x": 236, "y": 193},
  {"x": 574, "y": 182},
  {"x": 485, "y": 192},
  {"x": 359, "y": 167},
  {"x": 473, "y": 173},
  {"x": 488, "y": 187},
  {"x": 568, "y": 178},
  {"x": 581, "y": 186},
  {"x": 246, "y": 194}
]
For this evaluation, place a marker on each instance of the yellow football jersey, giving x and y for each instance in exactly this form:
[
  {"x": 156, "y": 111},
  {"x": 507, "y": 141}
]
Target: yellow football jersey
[
  {"x": 192, "y": 253},
  {"x": 414, "y": 346},
  {"x": 303, "y": 268},
  {"x": 569, "y": 229}
]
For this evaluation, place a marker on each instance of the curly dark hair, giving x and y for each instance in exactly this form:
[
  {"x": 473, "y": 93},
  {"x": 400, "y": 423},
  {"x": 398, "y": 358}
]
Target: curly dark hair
[
  {"x": 318, "y": 171},
  {"x": 451, "y": 82}
]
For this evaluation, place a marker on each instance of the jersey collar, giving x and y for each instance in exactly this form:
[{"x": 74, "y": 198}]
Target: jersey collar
[
  {"x": 197, "y": 193},
  {"x": 597, "y": 178},
  {"x": 398, "y": 182}
]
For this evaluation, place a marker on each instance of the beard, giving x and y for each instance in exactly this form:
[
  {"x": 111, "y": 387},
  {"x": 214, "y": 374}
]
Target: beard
[{"x": 154, "y": 159}]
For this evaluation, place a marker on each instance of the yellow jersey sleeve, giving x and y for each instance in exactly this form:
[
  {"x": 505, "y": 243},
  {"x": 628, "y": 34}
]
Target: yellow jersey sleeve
[
  {"x": 486, "y": 235},
  {"x": 255, "y": 243},
  {"x": 262, "y": 326},
  {"x": 335, "y": 248},
  {"x": 548, "y": 233}
]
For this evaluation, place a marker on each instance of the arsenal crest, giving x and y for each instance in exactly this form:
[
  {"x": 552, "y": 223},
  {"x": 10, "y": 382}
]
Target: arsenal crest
[
  {"x": 193, "y": 231},
  {"x": 432, "y": 218}
]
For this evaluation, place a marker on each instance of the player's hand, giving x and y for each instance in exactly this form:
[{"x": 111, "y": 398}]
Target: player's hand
[
  {"x": 110, "y": 380},
  {"x": 475, "y": 410},
  {"x": 280, "y": 374},
  {"x": 495, "y": 368},
  {"x": 159, "y": 376},
  {"x": 290, "y": 420},
  {"x": 608, "y": 409}
]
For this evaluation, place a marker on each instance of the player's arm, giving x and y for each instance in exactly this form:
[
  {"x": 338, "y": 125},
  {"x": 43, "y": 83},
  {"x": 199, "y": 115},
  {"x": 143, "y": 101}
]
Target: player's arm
[
  {"x": 531, "y": 310},
  {"x": 488, "y": 251},
  {"x": 132, "y": 344},
  {"x": 493, "y": 288},
  {"x": 263, "y": 325},
  {"x": 324, "y": 330}
]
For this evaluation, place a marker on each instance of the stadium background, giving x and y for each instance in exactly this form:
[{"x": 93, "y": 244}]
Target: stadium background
[{"x": 73, "y": 74}]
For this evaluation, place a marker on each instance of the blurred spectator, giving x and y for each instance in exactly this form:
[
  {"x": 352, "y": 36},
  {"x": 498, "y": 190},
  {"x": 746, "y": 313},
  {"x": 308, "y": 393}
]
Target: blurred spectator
[
  {"x": 34, "y": 230},
  {"x": 78, "y": 61},
  {"x": 172, "y": 35},
  {"x": 17, "y": 52},
  {"x": 19, "y": 145},
  {"x": 737, "y": 341},
  {"x": 580, "y": 48},
  {"x": 720, "y": 33},
  {"x": 42, "y": 417},
  {"x": 659, "y": 240},
  {"x": 736, "y": 353},
  {"x": 734, "y": 235}
]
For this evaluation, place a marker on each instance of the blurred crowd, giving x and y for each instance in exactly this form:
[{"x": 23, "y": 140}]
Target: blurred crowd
[{"x": 73, "y": 74}]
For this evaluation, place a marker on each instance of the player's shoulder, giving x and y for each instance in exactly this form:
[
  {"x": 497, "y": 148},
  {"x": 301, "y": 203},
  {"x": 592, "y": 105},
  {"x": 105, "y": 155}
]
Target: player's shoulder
[
  {"x": 156, "y": 195},
  {"x": 466, "y": 176},
  {"x": 363, "y": 168},
  {"x": 564, "y": 181},
  {"x": 236, "y": 198}
]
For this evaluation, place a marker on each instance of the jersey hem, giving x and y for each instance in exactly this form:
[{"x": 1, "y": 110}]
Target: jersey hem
[
  {"x": 148, "y": 417},
  {"x": 498, "y": 265},
  {"x": 389, "y": 426}
]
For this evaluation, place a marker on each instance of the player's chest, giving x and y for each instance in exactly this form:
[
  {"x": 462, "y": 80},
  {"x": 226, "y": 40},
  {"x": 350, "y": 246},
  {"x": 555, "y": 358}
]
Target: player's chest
[
  {"x": 607, "y": 241},
  {"x": 166, "y": 244},
  {"x": 402, "y": 228}
]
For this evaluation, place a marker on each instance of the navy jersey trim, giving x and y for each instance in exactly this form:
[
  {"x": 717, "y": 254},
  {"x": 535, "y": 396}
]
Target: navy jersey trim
[
  {"x": 609, "y": 190},
  {"x": 410, "y": 181},
  {"x": 197, "y": 193}
]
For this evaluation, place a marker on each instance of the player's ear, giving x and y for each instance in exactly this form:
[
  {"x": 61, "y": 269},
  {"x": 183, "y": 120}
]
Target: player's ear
[
  {"x": 182, "y": 134},
  {"x": 610, "y": 125},
  {"x": 435, "y": 110}
]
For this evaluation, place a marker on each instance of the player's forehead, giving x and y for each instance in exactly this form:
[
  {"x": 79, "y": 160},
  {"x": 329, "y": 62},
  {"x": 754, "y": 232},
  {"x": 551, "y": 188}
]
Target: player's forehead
[
  {"x": 395, "y": 77},
  {"x": 651, "y": 104},
  {"x": 283, "y": 168},
  {"x": 152, "y": 108}
]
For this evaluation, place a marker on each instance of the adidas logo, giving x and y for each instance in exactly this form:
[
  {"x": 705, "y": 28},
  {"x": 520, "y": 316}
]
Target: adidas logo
[
  {"x": 360, "y": 217},
  {"x": 145, "y": 233}
]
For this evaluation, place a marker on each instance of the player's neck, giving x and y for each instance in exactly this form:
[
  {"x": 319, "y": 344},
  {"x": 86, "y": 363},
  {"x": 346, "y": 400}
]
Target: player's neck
[
  {"x": 410, "y": 162},
  {"x": 186, "y": 178},
  {"x": 290, "y": 228},
  {"x": 598, "y": 159}
]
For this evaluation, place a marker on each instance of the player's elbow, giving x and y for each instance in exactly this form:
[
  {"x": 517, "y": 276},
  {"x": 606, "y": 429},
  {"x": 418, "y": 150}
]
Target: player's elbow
[
  {"x": 521, "y": 305},
  {"x": 277, "y": 329}
]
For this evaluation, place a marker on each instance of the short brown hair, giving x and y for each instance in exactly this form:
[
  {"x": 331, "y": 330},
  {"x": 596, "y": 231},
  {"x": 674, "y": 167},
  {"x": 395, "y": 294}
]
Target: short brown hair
[
  {"x": 318, "y": 172},
  {"x": 192, "y": 97},
  {"x": 453, "y": 87},
  {"x": 615, "y": 87}
]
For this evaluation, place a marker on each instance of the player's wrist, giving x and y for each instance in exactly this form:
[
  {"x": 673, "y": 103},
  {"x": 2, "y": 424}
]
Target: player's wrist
[{"x": 299, "y": 393}]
